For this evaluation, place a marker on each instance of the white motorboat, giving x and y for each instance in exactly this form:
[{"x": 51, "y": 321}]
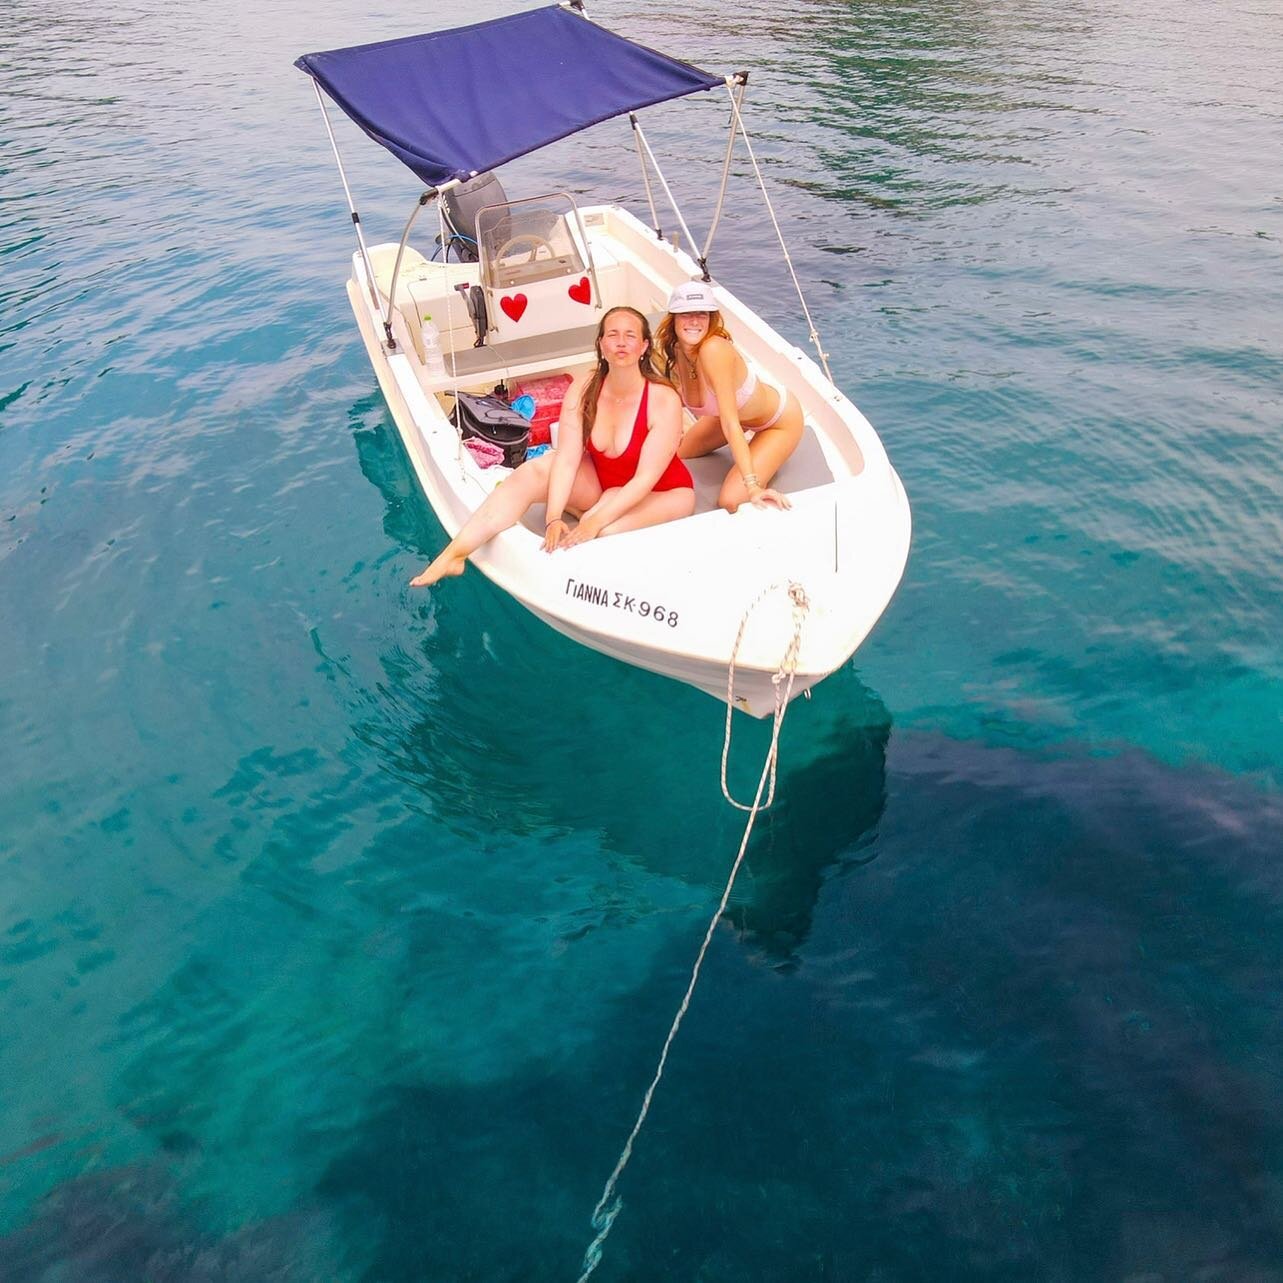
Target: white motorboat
[{"x": 681, "y": 598}]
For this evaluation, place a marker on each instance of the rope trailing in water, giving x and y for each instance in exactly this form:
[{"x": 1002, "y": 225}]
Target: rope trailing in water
[{"x": 610, "y": 1204}]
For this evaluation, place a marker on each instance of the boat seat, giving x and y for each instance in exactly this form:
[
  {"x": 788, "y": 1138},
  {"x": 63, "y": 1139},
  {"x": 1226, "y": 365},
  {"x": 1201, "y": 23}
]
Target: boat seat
[
  {"x": 541, "y": 354},
  {"x": 425, "y": 287},
  {"x": 804, "y": 469}
]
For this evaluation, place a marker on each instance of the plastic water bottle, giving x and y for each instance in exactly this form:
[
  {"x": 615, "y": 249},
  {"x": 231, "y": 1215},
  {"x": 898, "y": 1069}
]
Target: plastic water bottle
[{"x": 433, "y": 359}]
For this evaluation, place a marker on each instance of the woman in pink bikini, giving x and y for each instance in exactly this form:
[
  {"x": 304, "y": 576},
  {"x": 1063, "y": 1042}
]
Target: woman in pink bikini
[
  {"x": 615, "y": 465},
  {"x": 727, "y": 399}
]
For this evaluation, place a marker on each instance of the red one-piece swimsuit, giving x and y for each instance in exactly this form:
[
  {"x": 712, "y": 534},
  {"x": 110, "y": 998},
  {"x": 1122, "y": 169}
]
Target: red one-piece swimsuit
[{"x": 614, "y": 470}]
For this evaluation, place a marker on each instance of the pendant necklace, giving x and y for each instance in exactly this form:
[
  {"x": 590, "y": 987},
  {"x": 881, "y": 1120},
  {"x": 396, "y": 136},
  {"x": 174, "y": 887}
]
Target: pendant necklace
[{"x": 692, "y": 373}]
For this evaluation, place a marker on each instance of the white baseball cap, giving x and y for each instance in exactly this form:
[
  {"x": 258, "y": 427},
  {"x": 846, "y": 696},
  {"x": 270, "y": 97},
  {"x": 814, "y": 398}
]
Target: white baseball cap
[{"x": 692, "y": 296}]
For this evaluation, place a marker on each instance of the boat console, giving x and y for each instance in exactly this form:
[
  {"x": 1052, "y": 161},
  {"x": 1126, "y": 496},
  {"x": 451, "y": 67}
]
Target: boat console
[{"x": 537, "y": 268}]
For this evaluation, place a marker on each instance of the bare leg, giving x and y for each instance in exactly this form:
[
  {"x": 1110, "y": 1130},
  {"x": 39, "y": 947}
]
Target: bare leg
[
  {"x": 502, "y": 509},
  {"x": 656, "y": 508},
  {"x": 702, "y": 437},
  {"x": 768, "y": 449}
]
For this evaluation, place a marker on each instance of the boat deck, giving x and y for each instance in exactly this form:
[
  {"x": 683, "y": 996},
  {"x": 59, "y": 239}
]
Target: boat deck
[{"x": 805, "y": 469}]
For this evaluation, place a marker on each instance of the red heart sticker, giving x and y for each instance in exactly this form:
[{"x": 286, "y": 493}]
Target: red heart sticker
[
  {"x": 581, "y": 293},
  {"x": 514, "y": 306}
]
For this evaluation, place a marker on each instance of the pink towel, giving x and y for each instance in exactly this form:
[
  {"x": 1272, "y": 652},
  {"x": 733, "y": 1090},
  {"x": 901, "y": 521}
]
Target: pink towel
[{"x": 486, "y": 453}]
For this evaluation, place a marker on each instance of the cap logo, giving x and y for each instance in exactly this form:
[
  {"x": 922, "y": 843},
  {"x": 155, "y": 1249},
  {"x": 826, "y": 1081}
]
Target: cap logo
[{"x": 693, "y": 296}]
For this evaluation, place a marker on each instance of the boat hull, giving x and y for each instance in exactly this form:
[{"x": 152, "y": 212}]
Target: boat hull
[{"x": 682, "y": 599}]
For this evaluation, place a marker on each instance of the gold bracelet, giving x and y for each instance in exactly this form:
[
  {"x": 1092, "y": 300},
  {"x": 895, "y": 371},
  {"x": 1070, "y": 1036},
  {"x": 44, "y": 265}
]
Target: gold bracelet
[{"x": 750, "y": 480}]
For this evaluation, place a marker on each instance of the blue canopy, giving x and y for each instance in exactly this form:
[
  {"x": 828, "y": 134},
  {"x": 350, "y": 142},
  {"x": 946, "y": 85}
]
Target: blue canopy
[{"x": 454, "y": 103}]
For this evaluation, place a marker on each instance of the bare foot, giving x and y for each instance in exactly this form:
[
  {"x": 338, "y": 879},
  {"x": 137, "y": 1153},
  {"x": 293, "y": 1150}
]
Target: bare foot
[{"x": 445, "y": 566}]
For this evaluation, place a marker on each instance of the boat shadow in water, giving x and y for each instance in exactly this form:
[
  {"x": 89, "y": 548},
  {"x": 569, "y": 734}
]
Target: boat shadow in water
[
  {"x": 504, "y": 728},
  {"x": 1055, "y": 987},
  {"x": 408, "y": 519},
  {"x": 825, "y": 815},
  {"x": 1084, "y": 1014}
]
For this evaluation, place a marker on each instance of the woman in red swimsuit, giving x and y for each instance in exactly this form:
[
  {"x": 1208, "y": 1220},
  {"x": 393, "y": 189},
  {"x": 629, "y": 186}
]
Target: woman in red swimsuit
[{"x": 615, "y": 466}]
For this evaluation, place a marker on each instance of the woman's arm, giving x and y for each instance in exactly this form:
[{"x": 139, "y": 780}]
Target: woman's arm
[
  {"x": 717, "y": 365},
  {"x": 565, "y": 464},
  {"x": 664, "y": 432}
]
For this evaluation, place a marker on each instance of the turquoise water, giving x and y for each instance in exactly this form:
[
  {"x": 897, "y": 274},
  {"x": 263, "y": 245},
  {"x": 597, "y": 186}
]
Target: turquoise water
[{"x": 340, "y": 926}]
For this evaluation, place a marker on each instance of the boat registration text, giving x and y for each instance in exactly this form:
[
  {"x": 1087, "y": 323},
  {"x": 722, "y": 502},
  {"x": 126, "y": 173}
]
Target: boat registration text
[{"x": 617, "y": 600}]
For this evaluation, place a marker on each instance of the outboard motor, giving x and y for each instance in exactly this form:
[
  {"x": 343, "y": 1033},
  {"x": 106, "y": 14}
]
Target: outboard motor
[{"x": 460, "y": 206}]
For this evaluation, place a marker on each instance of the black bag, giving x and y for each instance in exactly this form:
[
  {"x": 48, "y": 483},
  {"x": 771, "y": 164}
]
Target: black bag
[{"x": 495, "y": 421}]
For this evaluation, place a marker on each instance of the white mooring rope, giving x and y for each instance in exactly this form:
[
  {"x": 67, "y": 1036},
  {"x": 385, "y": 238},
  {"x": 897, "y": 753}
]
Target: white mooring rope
[
  {"x": 609, "y": 1204},
  {"x": 789, "y": 663}
]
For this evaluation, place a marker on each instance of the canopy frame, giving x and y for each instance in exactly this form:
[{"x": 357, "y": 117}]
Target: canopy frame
[
  {"x": 735, "y": 85},
  {"x": 347, "y": 191},
  {"x": 451, "y": 104}
]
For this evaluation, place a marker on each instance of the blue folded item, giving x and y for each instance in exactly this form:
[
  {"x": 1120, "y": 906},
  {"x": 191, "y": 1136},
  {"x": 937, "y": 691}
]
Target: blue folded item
[
  {"x": 535, "y": 451},
  {"x": 525, "y": 406}
]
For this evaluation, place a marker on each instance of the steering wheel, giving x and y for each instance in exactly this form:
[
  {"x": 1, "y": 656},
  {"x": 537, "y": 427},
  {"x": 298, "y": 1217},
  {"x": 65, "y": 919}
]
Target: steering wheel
[{"x": 533, "y": 239}]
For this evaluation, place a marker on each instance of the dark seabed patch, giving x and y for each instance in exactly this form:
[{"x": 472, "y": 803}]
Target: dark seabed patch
[{"x": 1009, "y": 1065}]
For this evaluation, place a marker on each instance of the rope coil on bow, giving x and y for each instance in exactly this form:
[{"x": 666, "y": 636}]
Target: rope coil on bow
[{"x": 782, "y": 681}]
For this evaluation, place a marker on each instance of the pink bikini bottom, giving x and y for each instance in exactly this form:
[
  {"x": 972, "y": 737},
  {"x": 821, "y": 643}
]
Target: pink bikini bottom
[{"x": 782, "y": 397}]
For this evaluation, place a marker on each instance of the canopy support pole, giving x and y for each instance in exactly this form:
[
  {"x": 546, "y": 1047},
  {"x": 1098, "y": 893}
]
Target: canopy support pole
[
  {"x": 431, "y": 194},
  {"x": 347, "y": 191},
  {"x": 449, "y": 318},
  {"x": 650, "y": 196},
  {"x": 740, "y": 80},
  {"x": 815, "y": 336},
  {"x": 672, "y": 200},
  {"x": 454, "y": 360},
  {"x": 396, "y": 266}
]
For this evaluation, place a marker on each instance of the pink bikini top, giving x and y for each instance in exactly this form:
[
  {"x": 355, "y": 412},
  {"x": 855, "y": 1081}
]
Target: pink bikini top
[{"x": 746, "y": 390}]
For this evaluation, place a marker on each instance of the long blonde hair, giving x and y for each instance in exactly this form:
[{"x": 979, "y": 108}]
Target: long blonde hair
[
  {"x": 592, "y": 390},
  {"x": 666, "y": 339}
]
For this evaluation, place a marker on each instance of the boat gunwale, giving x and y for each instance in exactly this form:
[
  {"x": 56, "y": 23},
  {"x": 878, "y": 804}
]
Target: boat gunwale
[{"x": 519, "y": 546}]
